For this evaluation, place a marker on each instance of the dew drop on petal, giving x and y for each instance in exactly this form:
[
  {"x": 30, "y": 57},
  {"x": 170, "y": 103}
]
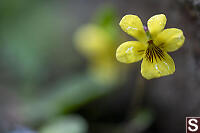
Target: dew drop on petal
[
  {"x": 156, "y": 66},
  {"x": 129, "y": 50},
  {"x": 166, "y": 64},
  {"x": 131, "y": 28}
]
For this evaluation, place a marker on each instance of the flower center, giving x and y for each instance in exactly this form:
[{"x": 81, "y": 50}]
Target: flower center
[
  {"x": 153, "y": 52},
  {"x": 150, "y": 42}
]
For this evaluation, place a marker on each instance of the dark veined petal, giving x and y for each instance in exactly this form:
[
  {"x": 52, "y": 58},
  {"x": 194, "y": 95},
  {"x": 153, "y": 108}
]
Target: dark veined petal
[{"x": 157, "y": 63}]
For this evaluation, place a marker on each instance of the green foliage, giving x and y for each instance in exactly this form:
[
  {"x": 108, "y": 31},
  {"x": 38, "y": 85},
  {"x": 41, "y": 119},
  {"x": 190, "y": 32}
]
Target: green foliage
[
  {"x": 69, "y": 124},
  {"x": 106, "y": 17},
  {"x": 65, "y": 96}
]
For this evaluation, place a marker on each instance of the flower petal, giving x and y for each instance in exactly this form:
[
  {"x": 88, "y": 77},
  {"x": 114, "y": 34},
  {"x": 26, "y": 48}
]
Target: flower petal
[
  {"x": 162, "y": 67},
  {"x": 133, "y": 26},
  {"x": 131, "y": 51},
  {"x": 92, "y": 40},
  {"x": 170, "y": 39},
  {"x": 156, "y": 24}
]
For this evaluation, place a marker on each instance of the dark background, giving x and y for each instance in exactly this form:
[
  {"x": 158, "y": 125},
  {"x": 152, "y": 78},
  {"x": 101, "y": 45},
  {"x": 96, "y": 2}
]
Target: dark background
[{"x": 46, "y": 85}]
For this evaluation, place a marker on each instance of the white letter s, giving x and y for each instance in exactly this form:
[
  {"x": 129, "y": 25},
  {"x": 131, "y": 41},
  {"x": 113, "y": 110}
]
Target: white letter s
[{"x": 192, "y": 124}]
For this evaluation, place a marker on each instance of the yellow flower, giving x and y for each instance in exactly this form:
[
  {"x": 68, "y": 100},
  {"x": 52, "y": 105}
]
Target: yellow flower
[
  {"x": 96, "y": 44},
  {"x": 151, "y": 46},
  {"x": 93, "y": 41}
]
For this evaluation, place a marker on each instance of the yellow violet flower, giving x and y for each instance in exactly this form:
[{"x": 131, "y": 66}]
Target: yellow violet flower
[
  {"x": 96, "y": 44},
  {"x": 93, "y": 41},
  {"x": 151, "y": 46}
]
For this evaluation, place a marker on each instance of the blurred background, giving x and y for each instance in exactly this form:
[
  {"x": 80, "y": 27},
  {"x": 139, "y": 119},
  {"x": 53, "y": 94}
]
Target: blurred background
[{"x": 59, "y": 74}]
